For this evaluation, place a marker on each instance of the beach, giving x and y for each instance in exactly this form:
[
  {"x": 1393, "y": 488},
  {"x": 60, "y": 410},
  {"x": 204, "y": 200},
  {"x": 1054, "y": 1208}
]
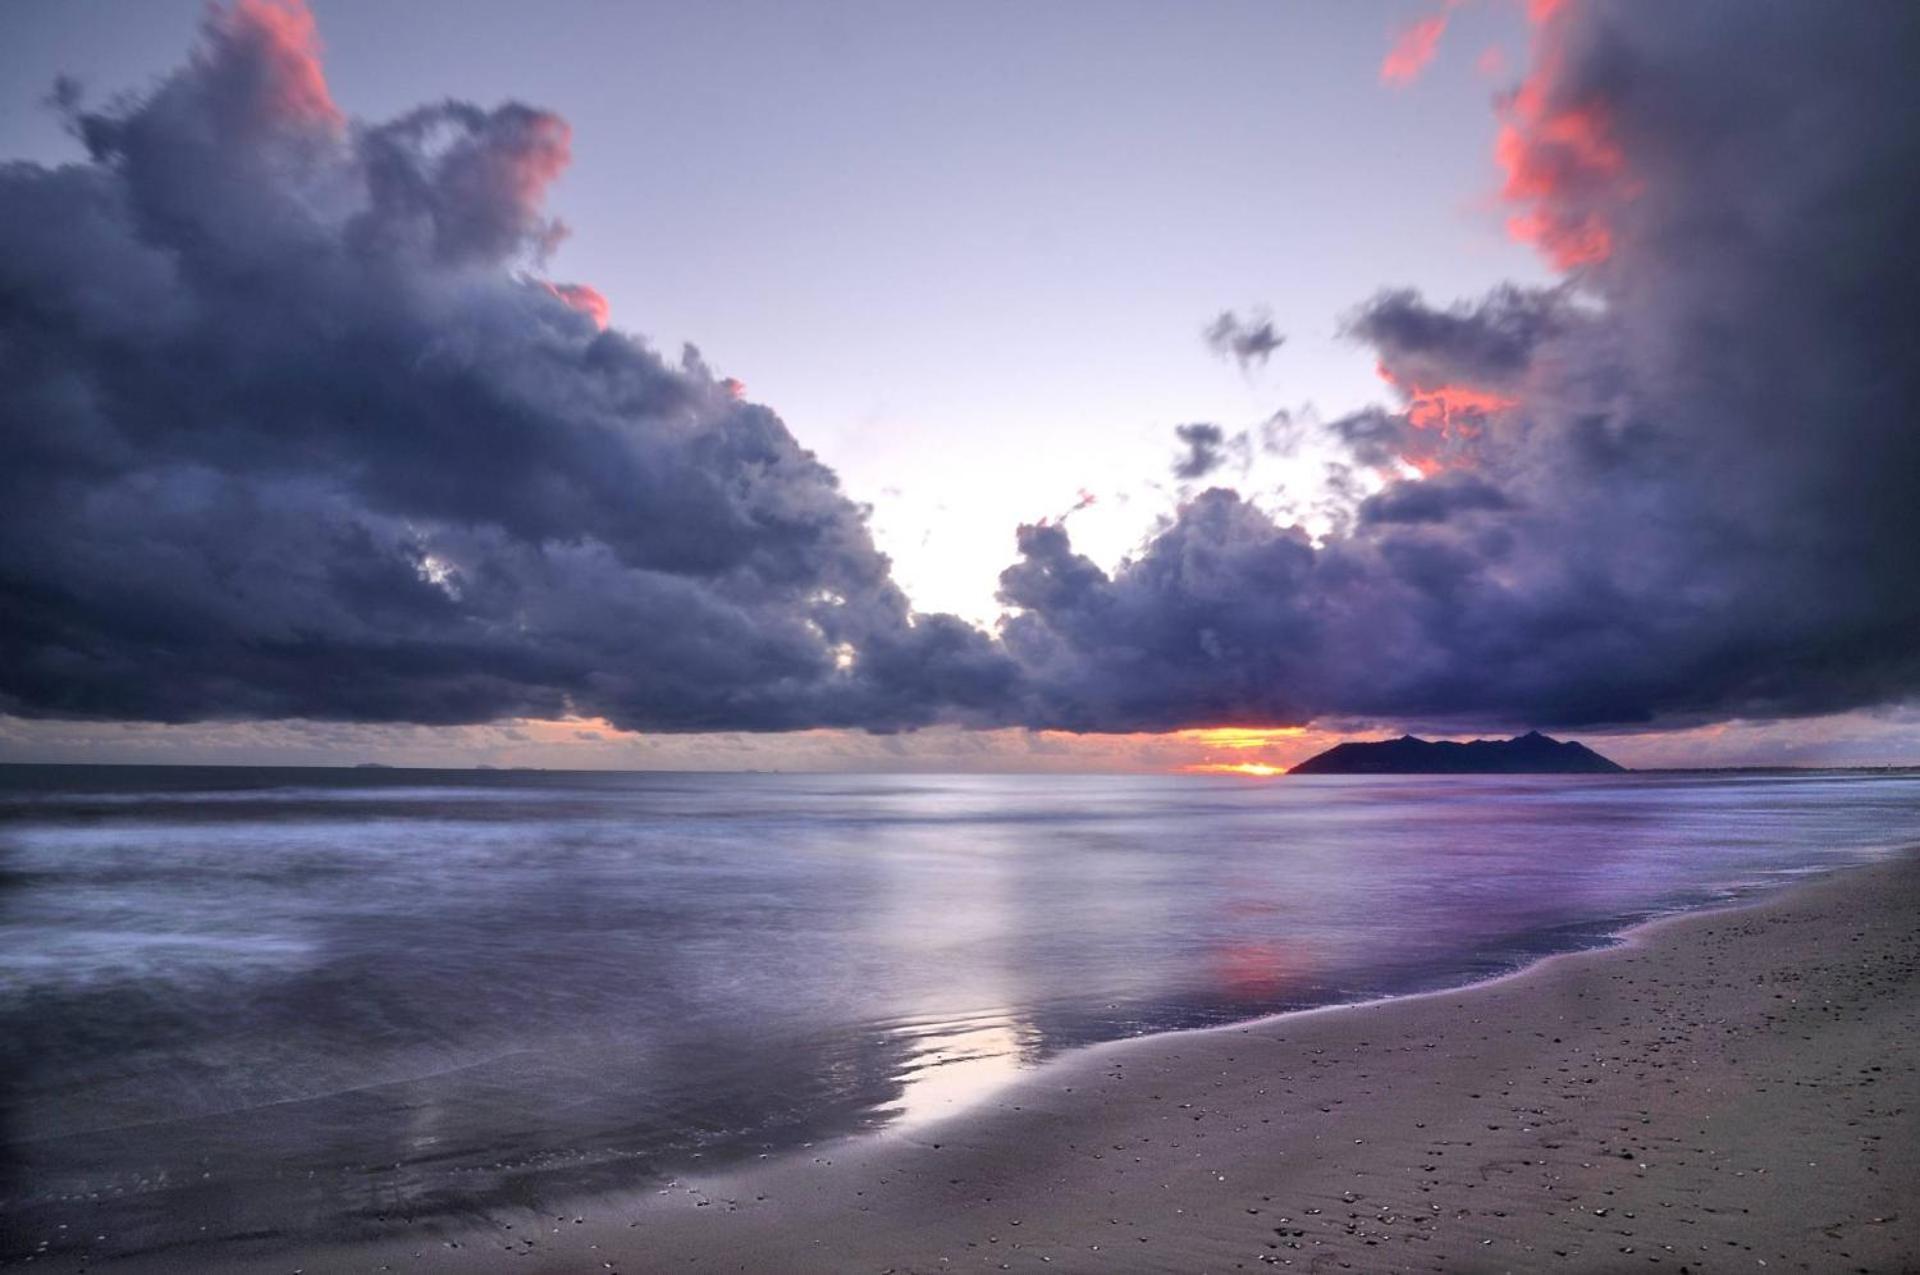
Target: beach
[{"x": 1729, "y": 1090}]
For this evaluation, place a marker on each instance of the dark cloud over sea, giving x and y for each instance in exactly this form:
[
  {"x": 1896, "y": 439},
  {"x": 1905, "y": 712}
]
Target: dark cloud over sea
[
  {"x": 293, "y": 425},
  {"x": 292, "y": 428},
  {"x": 1681, "y": 488}
]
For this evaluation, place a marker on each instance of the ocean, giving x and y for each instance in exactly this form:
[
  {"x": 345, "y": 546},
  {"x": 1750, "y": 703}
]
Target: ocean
[{"x": 287, "y": 1003}]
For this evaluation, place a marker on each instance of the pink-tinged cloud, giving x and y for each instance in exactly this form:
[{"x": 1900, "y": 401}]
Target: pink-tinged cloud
[
  {"x": 538, "y": 153},
  {"x": 1412, "y": 49},
  {"x": 585, "y": 298},
  {"x": 1450, "y": 416},
  {"x": 277, "y": 42},
  {"x": 1561, "y": 160},
  {"x": 1492, "y": 62},
  {"x": 1455, "y": 410}
]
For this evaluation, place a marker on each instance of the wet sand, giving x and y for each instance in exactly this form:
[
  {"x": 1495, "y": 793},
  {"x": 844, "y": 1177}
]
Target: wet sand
[{"x": 1726, "y": 1091}]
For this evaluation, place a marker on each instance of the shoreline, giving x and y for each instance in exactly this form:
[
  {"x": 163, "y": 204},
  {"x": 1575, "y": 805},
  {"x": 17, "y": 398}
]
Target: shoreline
[{"x": 1720, "y": 1089}]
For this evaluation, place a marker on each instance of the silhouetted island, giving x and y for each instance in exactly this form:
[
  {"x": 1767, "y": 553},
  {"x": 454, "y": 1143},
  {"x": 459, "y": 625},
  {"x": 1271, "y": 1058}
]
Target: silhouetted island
[{"x": 1528, "y": 754}]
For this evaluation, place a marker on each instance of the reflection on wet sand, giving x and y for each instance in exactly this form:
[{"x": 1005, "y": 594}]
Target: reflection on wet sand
[{"x": 949, "y": 1066}]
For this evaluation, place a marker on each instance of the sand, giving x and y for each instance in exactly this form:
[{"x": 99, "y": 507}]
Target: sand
[{"x": 1724, "y": 1091}]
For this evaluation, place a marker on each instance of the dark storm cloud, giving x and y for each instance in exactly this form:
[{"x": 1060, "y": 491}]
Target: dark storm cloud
[
  {"x": 1438, "y": 499},
  {"x": 1245, "y": 341},
  {"x": 1489, "y": 343},
  {"x": 287, "y": 431},
  {"x": 1683, "y": 489}
]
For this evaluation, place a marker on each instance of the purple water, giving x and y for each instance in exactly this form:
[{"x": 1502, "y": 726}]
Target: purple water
[{"x": 296, "y": 1002}]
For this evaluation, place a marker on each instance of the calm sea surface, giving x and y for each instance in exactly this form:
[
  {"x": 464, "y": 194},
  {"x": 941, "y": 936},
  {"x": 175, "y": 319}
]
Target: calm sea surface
[{"x": 298, "y": 1002}]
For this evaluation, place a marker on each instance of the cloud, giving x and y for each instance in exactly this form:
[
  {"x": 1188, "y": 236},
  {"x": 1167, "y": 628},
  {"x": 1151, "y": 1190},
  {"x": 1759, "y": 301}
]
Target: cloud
[
  {"x": 588, "y": 300},
  {"x": 1205, "y": 444},
  {"x": 1413, "y": 48},
  {"x": 1680, "y": 488},
  {"x": 1488, "y": 343},
  {"x": 293, "y": 425},
  {"x": 1245, "y": 341},
  {"x": 294, "y": 428},
  {"x": 1566, "y": 170},
  {"x": 1438, "y": 500}
]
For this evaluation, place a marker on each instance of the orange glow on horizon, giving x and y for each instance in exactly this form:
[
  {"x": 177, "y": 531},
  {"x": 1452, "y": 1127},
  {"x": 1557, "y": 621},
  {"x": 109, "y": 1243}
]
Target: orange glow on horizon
[
  {"x": 1249, "y": 752},
  {"x": 1241, "y": 736},
  {"x": 1256, "y": 769},
  {"x": 1226, "y": 749}
]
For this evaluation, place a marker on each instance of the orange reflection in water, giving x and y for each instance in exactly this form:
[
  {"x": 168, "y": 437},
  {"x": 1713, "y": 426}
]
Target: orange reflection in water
[{"x": 1260, "y": 969}]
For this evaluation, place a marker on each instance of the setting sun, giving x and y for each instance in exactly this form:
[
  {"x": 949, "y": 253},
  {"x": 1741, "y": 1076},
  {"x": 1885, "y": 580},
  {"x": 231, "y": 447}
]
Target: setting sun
[
  {"x": 1223, "y": 749},
  {"x": 1257, "y": 768}
]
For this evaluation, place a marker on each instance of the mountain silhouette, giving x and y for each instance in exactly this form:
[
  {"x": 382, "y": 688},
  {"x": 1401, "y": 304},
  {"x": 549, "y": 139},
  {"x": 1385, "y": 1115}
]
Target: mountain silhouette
[{"x": 1528, "y": 754}]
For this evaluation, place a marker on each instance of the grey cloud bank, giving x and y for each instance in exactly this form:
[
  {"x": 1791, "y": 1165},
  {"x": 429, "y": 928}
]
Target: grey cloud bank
[
  {"x": 289, "y": 432},
  {"x": 289, "y": 427}
]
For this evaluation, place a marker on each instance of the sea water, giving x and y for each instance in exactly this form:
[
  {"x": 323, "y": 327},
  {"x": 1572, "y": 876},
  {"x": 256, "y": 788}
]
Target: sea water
[{"x": 293, "y": 1003}]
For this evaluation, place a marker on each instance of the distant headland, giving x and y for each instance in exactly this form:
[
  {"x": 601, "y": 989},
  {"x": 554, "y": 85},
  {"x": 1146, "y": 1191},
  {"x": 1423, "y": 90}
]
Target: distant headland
[{"x": 1528, "y": 754}]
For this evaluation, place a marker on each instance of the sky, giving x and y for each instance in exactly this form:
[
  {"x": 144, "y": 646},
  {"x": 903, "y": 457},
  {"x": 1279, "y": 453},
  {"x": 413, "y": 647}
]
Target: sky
[
  {"x": 934, "y": 237},
  {"x": 972, "y": 257}
]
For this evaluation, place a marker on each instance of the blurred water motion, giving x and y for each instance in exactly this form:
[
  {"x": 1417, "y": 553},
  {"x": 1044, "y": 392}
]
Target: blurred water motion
[{"x": 296, "y": 1001}]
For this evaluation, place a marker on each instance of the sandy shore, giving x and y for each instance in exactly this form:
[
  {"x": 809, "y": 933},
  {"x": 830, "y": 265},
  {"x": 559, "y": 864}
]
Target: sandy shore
[{"x": 1726, "y": 1091}]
